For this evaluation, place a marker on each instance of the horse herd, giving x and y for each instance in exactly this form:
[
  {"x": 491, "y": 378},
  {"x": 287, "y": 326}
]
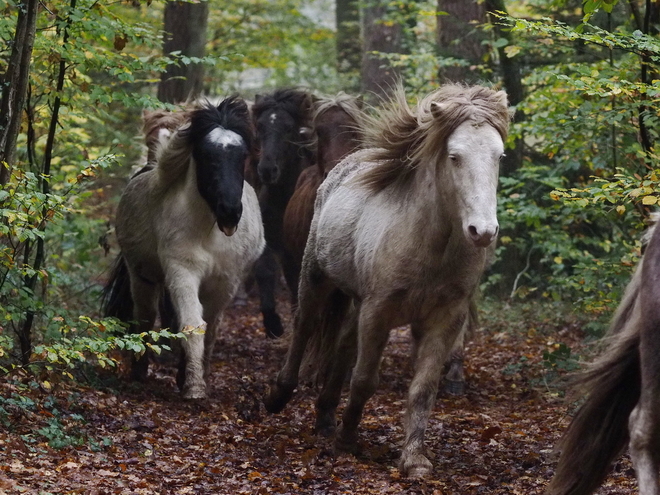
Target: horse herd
[{"x": 378, "y": 219}]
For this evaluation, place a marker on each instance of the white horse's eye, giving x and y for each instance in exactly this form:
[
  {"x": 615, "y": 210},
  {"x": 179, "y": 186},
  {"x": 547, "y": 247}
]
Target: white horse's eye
[{"x": 502, "y": 156}]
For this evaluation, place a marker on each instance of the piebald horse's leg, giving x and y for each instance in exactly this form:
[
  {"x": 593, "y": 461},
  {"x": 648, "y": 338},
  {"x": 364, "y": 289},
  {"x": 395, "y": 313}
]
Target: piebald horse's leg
[
  {"x": 145, "y": 303},
  {"x": 183, "y": 287},
  {"x": 435, "y": 339},
  {"x": 372, "y": 336}
]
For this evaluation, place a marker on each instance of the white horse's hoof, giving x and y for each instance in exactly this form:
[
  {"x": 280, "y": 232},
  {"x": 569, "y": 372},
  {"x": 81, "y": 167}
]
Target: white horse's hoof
[
  {"x": 415, "y": 466},
  {"x": 194, "y": 393}
]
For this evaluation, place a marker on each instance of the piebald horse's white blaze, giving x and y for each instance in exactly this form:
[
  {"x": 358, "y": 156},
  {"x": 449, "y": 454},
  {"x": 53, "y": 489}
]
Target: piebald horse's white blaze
[{"x": 399, "y": 236}]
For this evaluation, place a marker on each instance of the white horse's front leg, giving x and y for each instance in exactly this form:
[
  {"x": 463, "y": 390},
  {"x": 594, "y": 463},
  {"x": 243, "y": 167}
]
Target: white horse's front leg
[
  {"x": 184, "y": 291},
  {"x": 435, "y": 340}
]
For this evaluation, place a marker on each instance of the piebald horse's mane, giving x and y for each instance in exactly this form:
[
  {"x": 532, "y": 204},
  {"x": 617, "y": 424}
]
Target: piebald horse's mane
[
  {"x": 174, "y": 155},
  {"x": 400, "y": 138}
]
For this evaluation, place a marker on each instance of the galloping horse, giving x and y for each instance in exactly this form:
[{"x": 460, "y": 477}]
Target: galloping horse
[
  {"x": 283, "y": 123},
  {"x": 336, "y": 123},
  {"x": 623, "y": 387},
  {"x": 190, "y": 228},
  {"x": 399, "y": 235}
]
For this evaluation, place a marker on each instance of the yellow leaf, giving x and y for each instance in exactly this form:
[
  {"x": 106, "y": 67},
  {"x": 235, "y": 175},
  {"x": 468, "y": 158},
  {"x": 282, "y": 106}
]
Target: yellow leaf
[
  {"x": 559, "y": 260},
  {"x": 620, "y": 209},
  {"x": 511, "y": 51},
  {"x": 649, "y": 200}
]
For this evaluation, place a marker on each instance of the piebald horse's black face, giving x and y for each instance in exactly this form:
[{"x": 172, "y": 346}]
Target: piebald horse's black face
[
  {"x": 220, "y": 158},
  {"x": 280, "y": 138}
]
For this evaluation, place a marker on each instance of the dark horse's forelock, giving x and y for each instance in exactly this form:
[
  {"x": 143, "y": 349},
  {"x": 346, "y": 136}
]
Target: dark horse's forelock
[
  {"x": 296, "y": 102},
  {"x": 231, "y": 114}
]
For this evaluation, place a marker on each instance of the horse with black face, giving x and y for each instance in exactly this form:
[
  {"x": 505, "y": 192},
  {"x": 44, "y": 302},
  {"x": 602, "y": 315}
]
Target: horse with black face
[
  {"x": 336, "y": 129},
  {"x": 622, "y": 386},
  {"x": 400, "y": 235},
  {"x": 283, "y": 125},
  {"x": 190, "y": 228}
]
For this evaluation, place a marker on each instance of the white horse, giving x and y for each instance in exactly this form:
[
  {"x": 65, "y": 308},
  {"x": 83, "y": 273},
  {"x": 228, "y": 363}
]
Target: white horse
[
  {"x": 189, "y": 230},
  {"x": 399, "y": 235}
]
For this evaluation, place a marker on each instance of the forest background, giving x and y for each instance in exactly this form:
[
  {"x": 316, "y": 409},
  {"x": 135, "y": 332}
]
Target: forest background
[{"x": 576, "y": 191}]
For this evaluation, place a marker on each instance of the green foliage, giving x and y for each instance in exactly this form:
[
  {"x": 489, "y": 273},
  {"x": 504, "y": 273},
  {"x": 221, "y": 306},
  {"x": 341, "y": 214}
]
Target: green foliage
[
  {"x": 277, "y": 40},
  {"x": 571, "y": 217}
]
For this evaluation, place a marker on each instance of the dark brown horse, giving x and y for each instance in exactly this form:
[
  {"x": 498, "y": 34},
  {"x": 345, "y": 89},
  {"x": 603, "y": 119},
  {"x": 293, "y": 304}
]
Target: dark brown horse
[
  {"x": 337, "y": 133},
  {"x": 623, "y": 387},
  {"x": 283, "y": 122}
]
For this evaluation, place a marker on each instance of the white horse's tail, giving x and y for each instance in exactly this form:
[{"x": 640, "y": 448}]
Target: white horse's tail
[{"x": 321, "y": 347}]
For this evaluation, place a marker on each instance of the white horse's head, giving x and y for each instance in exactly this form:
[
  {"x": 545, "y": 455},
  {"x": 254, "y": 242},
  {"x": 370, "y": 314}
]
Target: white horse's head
[{"x": 472, "y": 158}]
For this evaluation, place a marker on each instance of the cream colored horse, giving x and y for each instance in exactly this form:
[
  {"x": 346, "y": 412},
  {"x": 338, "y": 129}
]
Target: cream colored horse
[{"x": 399, "y": 235}]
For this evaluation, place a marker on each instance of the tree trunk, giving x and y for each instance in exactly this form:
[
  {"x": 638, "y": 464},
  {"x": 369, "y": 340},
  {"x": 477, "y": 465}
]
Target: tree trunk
[
  {"x": 512, "y": 80},
  {"x": 185, "y": 32},
  {"x": 349, "y": 44},
  {"x": 458, "y": 37},
  {"x": 378, "y": 75},
  {"x": 15, "y": 84}
]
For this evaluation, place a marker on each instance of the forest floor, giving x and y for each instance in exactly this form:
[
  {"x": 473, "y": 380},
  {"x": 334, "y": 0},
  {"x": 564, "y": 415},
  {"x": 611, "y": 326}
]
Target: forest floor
[{"x": 143, "y": 439}]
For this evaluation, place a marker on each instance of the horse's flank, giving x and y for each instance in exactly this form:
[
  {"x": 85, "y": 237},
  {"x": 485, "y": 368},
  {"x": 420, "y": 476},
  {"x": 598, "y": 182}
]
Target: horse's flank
[{"x": 400, "y": 138}]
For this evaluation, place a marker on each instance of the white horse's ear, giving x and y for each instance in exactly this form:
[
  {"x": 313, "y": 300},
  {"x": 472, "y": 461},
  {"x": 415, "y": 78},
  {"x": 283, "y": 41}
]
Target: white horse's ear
[{"x": 438, "y": 110}]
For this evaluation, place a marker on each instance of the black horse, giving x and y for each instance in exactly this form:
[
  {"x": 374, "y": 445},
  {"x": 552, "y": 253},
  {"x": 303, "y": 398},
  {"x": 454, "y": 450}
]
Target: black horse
[{"x": 284, "y": 135}]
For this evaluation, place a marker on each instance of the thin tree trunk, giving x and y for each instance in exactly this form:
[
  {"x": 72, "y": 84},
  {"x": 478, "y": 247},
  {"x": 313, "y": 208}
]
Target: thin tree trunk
[
  {"x": 185, "y": 31},
  {"x": 378, "y": 75},
  {"x": 15, "y": 83},
  {"x": 30, "y": 282},
  {"x": 512, "y": 81},
  {"x": 349, "y": 43},
  {"x": 650, "y": 16},
  {"x": 458, "y": 37}
]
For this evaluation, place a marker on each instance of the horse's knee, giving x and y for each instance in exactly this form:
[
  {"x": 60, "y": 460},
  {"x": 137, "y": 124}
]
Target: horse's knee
[
  {"x": 363, "y": 386},
  {"x": 644, "y": 430}
]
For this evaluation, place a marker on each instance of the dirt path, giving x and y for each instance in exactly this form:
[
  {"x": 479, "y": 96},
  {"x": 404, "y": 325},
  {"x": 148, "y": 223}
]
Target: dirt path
[{"x": 495, "y": 440}]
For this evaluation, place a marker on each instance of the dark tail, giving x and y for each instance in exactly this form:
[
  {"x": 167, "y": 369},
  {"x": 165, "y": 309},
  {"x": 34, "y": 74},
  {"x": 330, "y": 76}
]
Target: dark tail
[
  {"x": 321, "y": 347},
  {"x": 116, "y": 299},
  {"x": 598, "y": 432}
]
